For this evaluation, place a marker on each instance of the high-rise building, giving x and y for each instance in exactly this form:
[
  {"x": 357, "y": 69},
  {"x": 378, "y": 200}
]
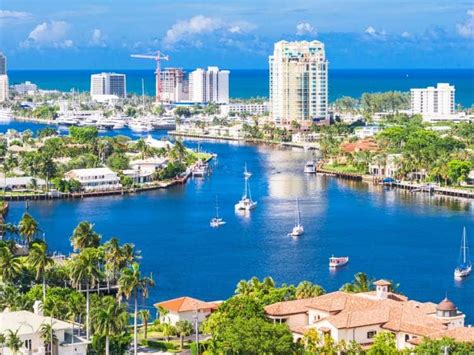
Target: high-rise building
[
  {"x": 108, "y": 84},
  {"x": 298, "y": 82},
  {"x": 433, "y": 101},
  {"x": 3, "y": 88},
  {"x": 211, "y": 85},
  {"x": 174, "y": 86},
  {"x": 3, "y": 64}
]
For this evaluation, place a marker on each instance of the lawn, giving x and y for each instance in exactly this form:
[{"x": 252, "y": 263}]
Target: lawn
[{"x": 343, "y": 168}]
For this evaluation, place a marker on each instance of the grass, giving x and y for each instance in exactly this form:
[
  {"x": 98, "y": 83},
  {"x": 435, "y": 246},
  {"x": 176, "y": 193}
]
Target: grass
[{"x": 343, "y": 168}]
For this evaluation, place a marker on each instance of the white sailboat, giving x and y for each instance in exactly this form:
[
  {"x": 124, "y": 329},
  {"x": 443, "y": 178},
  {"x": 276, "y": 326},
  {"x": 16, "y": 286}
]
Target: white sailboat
[
  {"x": 216, "y": 222},
  {"x": 246, "y": 203},
  {"x": 298, "y": 228},
  {"x": 464, "y": 267}
]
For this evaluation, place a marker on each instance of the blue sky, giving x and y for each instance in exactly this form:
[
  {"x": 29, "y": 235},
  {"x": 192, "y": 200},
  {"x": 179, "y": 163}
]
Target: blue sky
[{"x": 101, "y": 34}]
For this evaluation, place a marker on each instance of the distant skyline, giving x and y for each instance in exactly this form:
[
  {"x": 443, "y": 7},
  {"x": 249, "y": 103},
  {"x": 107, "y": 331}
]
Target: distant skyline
[{"x": 236, "y": 34}]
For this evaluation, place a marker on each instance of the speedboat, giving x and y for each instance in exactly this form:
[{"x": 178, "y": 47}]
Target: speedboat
[
  {"x": 464, "y": 267},
  {"x": 335, "y": 262},
  {"x": 310, "y": 167},
  {"x": 298, "y": 228},
  {"x": 246, "y": 203}
]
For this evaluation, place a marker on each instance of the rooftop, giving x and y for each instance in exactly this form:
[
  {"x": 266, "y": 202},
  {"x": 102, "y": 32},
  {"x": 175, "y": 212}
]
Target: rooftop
[
  {"x": 27, "y": 322},
  {"x": 185, "y": 304}
]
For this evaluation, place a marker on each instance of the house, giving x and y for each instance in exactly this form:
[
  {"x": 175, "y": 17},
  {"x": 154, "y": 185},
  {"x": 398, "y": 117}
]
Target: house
[
  {"x": 158, "y": 144},
  {"x": 360, "y": 316},
  {"x": 185, "y": 308},
  {"x": 363, "y": 145},
  {"x": 95, "y": 179},
  {"x": 28, "y": 325},
  {"x": 366, "y": 131},
  {"x": 387, "y": 168},
  {"x": 470, "y": 178},
  {"x": 21, "y": 183}
]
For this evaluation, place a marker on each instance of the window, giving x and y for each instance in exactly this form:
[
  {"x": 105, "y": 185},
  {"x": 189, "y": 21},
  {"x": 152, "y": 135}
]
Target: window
[
  {"x": 371, "y": 334},
  {"x": 28, "y": 344},
  {"x": 407, "y": 337}
]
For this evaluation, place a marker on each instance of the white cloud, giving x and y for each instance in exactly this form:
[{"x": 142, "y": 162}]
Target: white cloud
[
  {"x": 406, "y": 34},
  {"x": 14, "y": 15},
  {"x": 304, "y": 28},
  {"x": 372, "y": 32},
  {"x": 466, "y": 29},
  {"x": 235, "y": 29},
  {"x": 185, "y": 30},
  {"x": 97, "y": 38},
  {"x": 49, "y": 34}
]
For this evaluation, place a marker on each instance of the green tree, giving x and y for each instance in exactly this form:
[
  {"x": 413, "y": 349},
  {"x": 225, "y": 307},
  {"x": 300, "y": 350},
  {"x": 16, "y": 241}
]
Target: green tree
[
  {"x": 132, "y": 284},
  {"x": 183, "y": 328},
  {"x": 83, "y": 135},
  {"x": 110, "y": 320},
  {"x": 439, "y": 346},
  {"x": 458, "y": 171},
  {"x": 307, "y": 289},
  {"x": 13, "y": 341},
  {"x": 118, "y": 161},
  {"x": 182, "y": 112},
  {"x": 39, "y": 260},
  {"x": 28, "y": 228},
  {"x": 84, "y": 236},
  {"x": 384, "y": 344},
  {"x": 361, "y": 283},
  {"x": 48, "y": 335},
  {"x": 10, "y": 267},
  {"x": 144, "y": 315}
]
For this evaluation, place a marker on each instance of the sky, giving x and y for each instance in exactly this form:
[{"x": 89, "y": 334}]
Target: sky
[{"x": 234, "y": 34}]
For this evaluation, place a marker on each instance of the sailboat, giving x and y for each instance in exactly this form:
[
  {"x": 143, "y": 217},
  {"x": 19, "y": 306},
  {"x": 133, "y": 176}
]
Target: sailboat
[
  {"x": 464, "y": 267},
  {"x": 246, "y": 203},
  {"x": 298, "y": 228},
  {"x": 216, "y": 222}
]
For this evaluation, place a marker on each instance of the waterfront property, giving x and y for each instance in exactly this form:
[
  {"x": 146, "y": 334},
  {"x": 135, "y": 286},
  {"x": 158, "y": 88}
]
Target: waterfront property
[
  {"x": 185, "y": 309},
  {"x": 21, "y": 183},
  {"x": 95, "y": 178},
  {"x": 360, "y": 316},
  {"x": 29, "y": 325}
]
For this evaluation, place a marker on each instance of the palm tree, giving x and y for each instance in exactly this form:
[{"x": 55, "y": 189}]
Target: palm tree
[
  {"x": 48, "y": 335},
  {"x": 144, "y": 316},
  {"x": 183, "y": 328},
  {"x": 361, "y": 283},
  {"x": 75, "y": 307},
  {"x": 13, "y": 341},
  {"x": 10, "y": 267},
  {"x": 109, "y": 321},
  {"x": 84, "y": 269},
  {"x": 131, "y": 283},
  {"x": 28, "y": 228},
  {"x": 84, "y": 236},
  {"x": 3, "y": 339},
  {"x": 39, "y": 260},
  {"x": 307, "y": 289}
]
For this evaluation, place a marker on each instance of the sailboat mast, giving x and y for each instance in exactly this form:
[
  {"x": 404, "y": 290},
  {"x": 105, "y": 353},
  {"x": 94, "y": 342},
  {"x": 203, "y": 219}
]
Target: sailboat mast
[
  {"x": 464, "y": 246},
  {"x": 217, "y": 209},
  {"x": 298, "y": 210}
]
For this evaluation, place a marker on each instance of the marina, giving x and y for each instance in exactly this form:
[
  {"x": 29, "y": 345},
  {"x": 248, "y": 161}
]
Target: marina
[{"x": 174, "y": 223}]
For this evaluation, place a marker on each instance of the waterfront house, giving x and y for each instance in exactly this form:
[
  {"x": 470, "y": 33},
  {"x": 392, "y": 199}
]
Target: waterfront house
[
  {"x": 470, "y": 178},
  {"x": 387, "y": 167},
  {"x": 366, "y": 131},
  {"x": 95, "y": 179},
  {"x": 363, "y": 145},
  {"x": 360, "y": 316},
  {"x": 21, "y": 183},
  {"x": 28, "y": 325},
  {"x": 185, "y": 308}
]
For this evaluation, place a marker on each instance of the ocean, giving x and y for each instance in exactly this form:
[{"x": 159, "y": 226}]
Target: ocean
[{"x": 253, "y": 83}]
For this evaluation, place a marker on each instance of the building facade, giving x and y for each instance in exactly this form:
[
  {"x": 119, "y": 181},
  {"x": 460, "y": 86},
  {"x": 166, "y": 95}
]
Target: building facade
[
  {"x": 108, "y": 84},
  {"x": 211, "y": 85},
  {"x": 174, "y": 85},
  {"x": 433, "y": 101},
  {"x": 95, "y": 179},
  {"x": 298, "y": 82},
  {"x": 25, "y": 88},
  {"x": 3, "y": 64},
  {"x": 256, "y": 109},
  {"x": 3, "y": 88}
]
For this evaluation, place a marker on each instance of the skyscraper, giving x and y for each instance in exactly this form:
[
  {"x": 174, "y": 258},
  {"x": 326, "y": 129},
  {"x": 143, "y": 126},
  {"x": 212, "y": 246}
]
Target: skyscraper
[
  {"x": 437, "y": 100},
  {"x": 211, "y": 85},
  {"x": 3, "y": 88},
  {"x": 298, "y": 82},
  {"x": 174, "y": 86},
  {"x": 108, "y": 84},
  {"x": 3, "y": 64}
]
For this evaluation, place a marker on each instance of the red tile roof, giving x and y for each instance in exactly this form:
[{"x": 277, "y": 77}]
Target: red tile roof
[{"x": 186, "y": 304}]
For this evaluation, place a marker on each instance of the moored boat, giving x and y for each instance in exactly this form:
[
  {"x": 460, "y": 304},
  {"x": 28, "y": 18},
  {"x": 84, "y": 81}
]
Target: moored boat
[
  {"x": 310, "y": 167},
  {"x": 298, "y": 229},
  {"x": 216, "y": 222},
  {"x": 338, "y": 261},
  {"x": 246, "y": 203},
  {"x": 464, "y": 267}
]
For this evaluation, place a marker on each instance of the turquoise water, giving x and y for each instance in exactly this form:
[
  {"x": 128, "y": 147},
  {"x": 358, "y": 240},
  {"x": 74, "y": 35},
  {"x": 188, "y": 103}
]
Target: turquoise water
[
  {"x": 411, "y": 238},
  {"x": 250, "y": 83}
]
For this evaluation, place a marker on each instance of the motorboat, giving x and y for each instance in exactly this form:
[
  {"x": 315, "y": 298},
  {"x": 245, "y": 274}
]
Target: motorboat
[
  {"x": 200, "y": 170},
  {"x": 298, "y": 228},
  {"x": 140, "y": 127},
  {"x": 310, "y": 167},
  {"x": 464, "y": 267},
  {"x": 246, "y": 203},
  {"x": 66, "y": 121},
  {"x": 338, "y": 261}
]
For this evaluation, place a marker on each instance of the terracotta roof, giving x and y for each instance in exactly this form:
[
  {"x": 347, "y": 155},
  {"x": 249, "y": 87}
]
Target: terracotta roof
[
  {"x": 446, "y": 305},
  {"x": 464, "y": 334},
  {"x": 364, "y": 145},
  {"x": 289, "y": 307},
  {"x": 382, "y": 282},
  {"x": 185, "y": 304}
]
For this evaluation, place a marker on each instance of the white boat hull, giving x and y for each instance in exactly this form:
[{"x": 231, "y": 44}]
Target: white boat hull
[
  {"x": 458, "y": 273},
  {"x": 297, "y": 231},
  {"x": 217, "y": 222},
  {"x": 245, "y": 205},
  {"x": 338, "y": 262}
]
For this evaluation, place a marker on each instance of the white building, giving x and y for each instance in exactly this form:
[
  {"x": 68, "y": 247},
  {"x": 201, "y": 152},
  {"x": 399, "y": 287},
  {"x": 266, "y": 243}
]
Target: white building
[
  {"x": 256, "y": 109},
  {"x": 185, "y": 309},
  {"x": 174, "y": 86},
  {"x": 95, "y": 179},
  {"x": 108, "y": 84},
  {"x": 366, "y": 131},
  {"x": 298, "y": 82},
  {"x": 360, "y": 316},
  {"x": 3, "y": 88},
  {"x": 28, "y": 325},
  {"x": 25, "y": 88},
  {"x": 432, "y": 102},
  {"x": 211, "y": 85}
]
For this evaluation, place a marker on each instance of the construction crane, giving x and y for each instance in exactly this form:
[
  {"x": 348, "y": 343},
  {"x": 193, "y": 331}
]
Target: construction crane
[{"x": 158, "y": 58}]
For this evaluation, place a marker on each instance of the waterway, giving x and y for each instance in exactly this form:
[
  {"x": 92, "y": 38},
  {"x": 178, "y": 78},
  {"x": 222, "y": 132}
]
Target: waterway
[{"x": 410, "y": 238}]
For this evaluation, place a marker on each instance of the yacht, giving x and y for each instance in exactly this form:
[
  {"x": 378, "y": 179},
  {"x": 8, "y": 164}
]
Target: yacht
[
  {"x": 464, "y": 267},
  {"x": 298, "y": 228},
  {"x": 216, "y": 222},
  {"x": 246, "y": 203},
  {"x": 66, "y": 121},
  {"x": 310, "y": 167},
  {"x": 140, "y": 127},
  {"x": 335, "y": 262},
  {"x": 200, "y": 170}
]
